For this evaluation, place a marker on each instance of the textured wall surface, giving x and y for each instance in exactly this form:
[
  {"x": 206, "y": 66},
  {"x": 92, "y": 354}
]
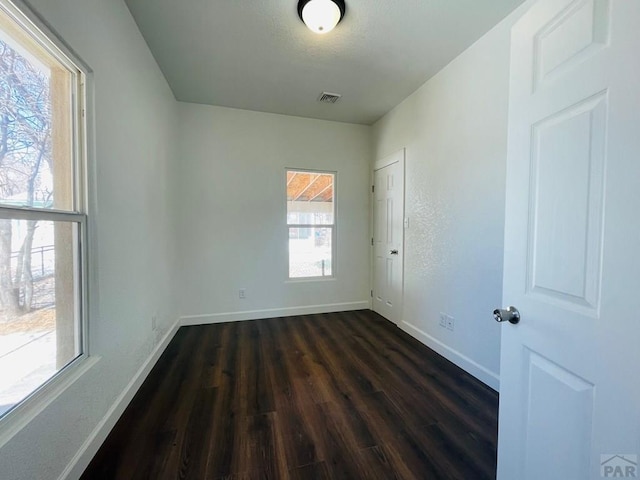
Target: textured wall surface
[
  {"x": 454, "y": 129},
  {"x": 173, "y": 214}
]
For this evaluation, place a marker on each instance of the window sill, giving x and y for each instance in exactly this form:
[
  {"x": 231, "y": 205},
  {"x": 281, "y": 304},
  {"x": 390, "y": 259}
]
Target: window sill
[
  {"x": 37, "y": 402},
  {"x": 310, "y": 280}
]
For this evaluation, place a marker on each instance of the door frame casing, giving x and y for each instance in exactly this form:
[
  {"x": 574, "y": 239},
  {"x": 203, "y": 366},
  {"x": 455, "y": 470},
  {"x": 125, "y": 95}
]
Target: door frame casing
[{"x": 399, "y": 157}]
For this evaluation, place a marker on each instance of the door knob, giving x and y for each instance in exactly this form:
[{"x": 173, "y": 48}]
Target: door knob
[
  {"x": 394, "y": 252},
  {"x": 511, "y": 315}
]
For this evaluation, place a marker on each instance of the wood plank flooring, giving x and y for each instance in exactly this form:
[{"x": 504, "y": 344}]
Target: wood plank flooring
[{"x": 334, "y": 396}]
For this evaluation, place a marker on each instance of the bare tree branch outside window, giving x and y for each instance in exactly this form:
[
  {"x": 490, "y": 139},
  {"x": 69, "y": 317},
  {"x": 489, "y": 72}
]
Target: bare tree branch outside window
[{"x": 25, "y": 167}]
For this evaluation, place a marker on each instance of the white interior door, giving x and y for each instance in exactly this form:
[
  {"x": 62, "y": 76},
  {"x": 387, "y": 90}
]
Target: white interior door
[
  {"x": 388, "y": 236},
  {"x": 569, "y": 392}
]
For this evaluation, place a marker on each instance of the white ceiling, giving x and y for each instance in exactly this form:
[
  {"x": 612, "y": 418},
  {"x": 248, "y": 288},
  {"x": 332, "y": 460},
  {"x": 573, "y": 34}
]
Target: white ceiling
[{"x": 258, "y": 55}]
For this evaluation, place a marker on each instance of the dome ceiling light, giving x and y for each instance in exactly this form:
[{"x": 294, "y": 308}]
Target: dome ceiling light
[{"x": 321, "y": 16}]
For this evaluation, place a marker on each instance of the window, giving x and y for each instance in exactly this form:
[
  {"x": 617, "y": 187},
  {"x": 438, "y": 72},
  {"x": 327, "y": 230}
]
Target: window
[
  {"x": 42, "y": 209},
  {"x": 311, "y": 223}
]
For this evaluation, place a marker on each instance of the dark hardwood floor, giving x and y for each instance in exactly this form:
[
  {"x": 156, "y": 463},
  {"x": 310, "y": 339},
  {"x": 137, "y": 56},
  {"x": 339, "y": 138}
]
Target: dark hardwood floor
[{"x": 344, "y": 395}]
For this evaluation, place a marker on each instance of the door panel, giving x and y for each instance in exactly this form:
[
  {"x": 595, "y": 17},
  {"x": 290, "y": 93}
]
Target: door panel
[
  {"x": 567, "y": 205},
  {"x": 557, "y": 396},
  {"x": 390, "y": 206},
  {"x": 573, "y": 35},
  {"x": 572, "y": 236}
]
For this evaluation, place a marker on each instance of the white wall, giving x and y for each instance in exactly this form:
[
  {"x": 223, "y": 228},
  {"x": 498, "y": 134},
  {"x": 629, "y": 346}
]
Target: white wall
[
  {"x": 232, "y": 225},
  {"x": 455, "y": 131},
  {"x": 132, "y": 253},
  {"x": 227, "y": 183}
]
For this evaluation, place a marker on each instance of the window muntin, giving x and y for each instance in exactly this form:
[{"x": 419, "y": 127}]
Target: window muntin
[
  {"x": 42, "y": 212},
  {"x": 311, "y": 223}
]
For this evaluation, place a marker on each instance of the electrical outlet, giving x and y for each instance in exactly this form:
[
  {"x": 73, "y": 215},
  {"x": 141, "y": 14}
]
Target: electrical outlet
[
  {"x": 443, "y": 320},
  {"x": 154, "y": 322},
  {"x": 450, "y": 323},
  {"x": 242, "y": 293}
]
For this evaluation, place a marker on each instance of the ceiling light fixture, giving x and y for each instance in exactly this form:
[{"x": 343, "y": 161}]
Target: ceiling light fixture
[{"x": 321, "y": 16}]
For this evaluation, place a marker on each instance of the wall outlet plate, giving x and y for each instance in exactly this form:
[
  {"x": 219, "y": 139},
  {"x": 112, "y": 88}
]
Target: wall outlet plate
[
  {"x": 443, "y": 320},
  {"x": 242, "y": 293}
]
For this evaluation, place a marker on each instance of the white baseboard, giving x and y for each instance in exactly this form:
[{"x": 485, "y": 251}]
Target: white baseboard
[
  {"x": 481, "y": 373},
  {"x": 271, "y": 313},
  {"x": 90, "y": 447}
]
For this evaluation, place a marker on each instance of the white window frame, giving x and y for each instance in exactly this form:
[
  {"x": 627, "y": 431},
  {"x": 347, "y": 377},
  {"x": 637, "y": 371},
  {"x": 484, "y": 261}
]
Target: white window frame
[
  {"x": 28, "y": 408},
  {"x": 333, "y": 226}
]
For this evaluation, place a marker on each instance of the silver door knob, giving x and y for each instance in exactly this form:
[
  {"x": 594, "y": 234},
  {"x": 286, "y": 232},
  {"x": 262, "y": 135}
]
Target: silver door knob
[
  {"x": 511, "y": 315},
  {"x": 394, "y": 252}
]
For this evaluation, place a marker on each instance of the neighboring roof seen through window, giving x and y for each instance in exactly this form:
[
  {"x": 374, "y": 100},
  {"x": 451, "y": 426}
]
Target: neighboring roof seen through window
[{"x": 309, "y": 187}]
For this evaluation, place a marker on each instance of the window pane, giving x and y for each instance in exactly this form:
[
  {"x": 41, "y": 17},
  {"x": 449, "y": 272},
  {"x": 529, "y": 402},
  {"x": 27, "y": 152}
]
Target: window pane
[
  {"x": 310, "y": 198},
  {"x": 310, "y": 252},
  {"x": 35, "y": 123},
  {"x": 39, "y": 323}
]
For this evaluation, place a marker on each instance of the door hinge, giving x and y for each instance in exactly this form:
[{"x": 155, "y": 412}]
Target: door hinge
[
  {"x": 372, "y": 242},
  {"x": 371, "y": 293},
  {"x": 373, "y": 189}
]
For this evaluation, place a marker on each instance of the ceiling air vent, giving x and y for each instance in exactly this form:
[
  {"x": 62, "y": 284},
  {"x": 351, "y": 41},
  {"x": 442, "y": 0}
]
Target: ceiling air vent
[{"x": 326, "y": 97}]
